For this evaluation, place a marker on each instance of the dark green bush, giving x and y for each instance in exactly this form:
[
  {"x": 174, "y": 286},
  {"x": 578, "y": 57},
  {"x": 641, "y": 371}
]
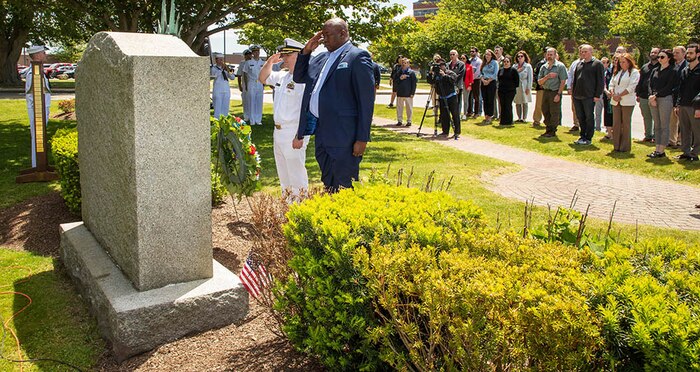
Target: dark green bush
[
  {"x": 327, "y": 306},
  {"x": 64, "y": 149},
  {"x": 389, "y": 277}
]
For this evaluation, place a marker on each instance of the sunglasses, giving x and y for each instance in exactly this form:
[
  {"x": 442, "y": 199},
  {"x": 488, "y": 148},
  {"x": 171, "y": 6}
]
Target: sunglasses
[
  {"x": 662, "y": 57},
  {"x": 472, "y": 51},
  {"x": 521, "y": 56}
]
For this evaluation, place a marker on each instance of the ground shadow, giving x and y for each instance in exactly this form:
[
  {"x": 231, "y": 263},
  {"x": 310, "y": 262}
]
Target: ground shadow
[
  {"x": 620, "y": 155},
  {"x": 582, "y": 148},
  {"x": 547, "y": 139},
  {"x": 229, "y": 259},
  {"x": 57, "y": 325},
  {"x": 277, "y": 350},
  {"x": 245, "y": 230},
  {"x": 32, "y": 225}
]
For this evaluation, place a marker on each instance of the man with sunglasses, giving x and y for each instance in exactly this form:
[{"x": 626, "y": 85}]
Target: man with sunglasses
[{"x": 458, "y": 68}]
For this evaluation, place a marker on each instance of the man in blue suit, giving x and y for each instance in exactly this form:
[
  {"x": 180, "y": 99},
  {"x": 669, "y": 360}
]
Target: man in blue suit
[{"x": 338, "y": 103}]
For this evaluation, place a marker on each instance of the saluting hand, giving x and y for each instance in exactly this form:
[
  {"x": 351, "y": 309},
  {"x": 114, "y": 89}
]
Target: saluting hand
[
  {"x": 313, "y": 43},
  {"x": 275, "y": 58}
]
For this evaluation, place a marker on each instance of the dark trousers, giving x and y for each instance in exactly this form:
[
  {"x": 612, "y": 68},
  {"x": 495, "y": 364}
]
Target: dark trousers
[
  {"x": 505, "y": 99},
  {"x": 551, "y": 111},
  {"x": 488, "y": 92},
  {"x": 459, "y": 99},
  {"x": 338, "y": 166},
  {"x": 474, "y": 98},
  {"x": 449, "y": 106},
  {"x": 584, "y": 112}
]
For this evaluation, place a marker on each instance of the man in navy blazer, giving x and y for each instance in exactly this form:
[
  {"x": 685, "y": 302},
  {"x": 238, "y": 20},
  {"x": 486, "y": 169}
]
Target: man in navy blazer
[{"x": 338, "y": 103}]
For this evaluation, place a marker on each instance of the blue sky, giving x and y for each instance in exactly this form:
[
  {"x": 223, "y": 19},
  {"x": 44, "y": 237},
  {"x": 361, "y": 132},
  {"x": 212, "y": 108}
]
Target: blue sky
[{"x": 232, "y": 46}]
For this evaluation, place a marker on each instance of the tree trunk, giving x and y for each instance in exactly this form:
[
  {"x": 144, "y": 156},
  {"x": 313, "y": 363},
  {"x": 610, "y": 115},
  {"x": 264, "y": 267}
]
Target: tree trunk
[{"x": 10, "y": 51}]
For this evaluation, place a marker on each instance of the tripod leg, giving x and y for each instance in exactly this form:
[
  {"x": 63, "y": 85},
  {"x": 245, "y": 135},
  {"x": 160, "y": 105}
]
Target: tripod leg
[{"x": 427, "y": 104}]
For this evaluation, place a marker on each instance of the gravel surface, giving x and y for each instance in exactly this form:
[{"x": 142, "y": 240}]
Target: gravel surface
[{"x": 249, "y": 345}]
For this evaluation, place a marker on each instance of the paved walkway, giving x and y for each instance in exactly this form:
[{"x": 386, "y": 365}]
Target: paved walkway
[{"x": 553, "y": 181}]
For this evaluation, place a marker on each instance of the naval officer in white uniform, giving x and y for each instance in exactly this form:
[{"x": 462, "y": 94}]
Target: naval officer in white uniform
[
  {"x": 37, "y": 54},
  {"x": 243, "y": 85},
  {"x": 252, "y": 69},
  {"x": 290, "y": 162},
  {"x": 221, "y": 93}
]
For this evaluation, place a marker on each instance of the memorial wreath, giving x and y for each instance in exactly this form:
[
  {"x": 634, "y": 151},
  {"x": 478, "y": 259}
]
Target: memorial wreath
[{"x": 238, "y": 161}]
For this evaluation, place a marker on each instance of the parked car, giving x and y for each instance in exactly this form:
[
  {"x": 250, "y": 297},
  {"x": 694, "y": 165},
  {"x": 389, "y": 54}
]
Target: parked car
[
  {"x": 52, "y": 71},
  {"x": 71, "y": 72}
]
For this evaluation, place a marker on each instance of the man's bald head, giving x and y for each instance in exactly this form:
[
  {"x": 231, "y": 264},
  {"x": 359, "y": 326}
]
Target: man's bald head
[{"x": 335, "y": 33}]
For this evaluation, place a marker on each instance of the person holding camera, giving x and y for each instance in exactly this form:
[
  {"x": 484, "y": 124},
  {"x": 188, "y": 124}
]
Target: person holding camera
[{"x": 443, "y": 80}]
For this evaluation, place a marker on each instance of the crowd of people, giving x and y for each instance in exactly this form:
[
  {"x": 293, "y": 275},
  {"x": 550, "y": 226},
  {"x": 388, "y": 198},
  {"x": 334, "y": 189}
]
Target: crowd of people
[{"x": 604, "y": 93}]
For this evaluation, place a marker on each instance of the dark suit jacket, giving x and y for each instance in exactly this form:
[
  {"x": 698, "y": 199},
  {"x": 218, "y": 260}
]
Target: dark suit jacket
[
  {"x": 377, "y": 74},
  {"x": 346, "y": 100}
]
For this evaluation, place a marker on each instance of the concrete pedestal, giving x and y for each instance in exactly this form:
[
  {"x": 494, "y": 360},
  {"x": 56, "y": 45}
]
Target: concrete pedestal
[{"x": 137, "y": 321}]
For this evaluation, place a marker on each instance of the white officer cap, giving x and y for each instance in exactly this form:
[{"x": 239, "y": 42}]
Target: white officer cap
[
  {"x": 36, "y": 49},
  {"x": 291, "y": 46},
  {"x": 254, "y": 47},
  {"x": 218, "y": 55},
  {"x": 246, "y": 52}
]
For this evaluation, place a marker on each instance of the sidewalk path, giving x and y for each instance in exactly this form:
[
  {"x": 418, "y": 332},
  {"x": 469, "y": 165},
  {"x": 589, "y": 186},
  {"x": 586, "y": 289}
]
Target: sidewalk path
[{"x": 553, "y": 181}]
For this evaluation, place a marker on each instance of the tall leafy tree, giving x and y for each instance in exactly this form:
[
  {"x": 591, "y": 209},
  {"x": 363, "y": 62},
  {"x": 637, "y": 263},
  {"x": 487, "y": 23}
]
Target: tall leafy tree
[
  {"x": 662, "y": 23},
  {"x": 200, "y": 19},
  {"x": 23, "y": 21}
]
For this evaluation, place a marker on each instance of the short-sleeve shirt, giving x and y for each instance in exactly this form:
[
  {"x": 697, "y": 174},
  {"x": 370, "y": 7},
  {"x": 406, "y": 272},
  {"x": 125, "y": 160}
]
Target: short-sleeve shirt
[
  {"x": 288, "y": 96},
  {"x": 252, "y": 69},
  {"x": 553, "y": 84}
]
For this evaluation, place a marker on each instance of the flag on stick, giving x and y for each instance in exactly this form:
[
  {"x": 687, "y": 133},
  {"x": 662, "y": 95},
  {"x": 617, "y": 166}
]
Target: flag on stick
[{"x": 254, "y": 277}]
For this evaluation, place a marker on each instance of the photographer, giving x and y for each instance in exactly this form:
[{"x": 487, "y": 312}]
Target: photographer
[{"x": 443, "y": 80}]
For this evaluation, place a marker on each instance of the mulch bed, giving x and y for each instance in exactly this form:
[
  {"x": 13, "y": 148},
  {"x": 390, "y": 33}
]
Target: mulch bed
[{"x": 248, "y": 345}]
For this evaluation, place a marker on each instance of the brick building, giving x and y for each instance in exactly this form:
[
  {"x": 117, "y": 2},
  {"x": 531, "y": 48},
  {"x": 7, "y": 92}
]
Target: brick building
[{"x": 424, "y": 8}]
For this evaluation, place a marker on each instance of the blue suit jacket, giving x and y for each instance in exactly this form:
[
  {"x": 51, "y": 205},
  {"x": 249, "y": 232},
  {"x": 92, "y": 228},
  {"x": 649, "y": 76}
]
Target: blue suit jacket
[{"x": 346, "y": 101}]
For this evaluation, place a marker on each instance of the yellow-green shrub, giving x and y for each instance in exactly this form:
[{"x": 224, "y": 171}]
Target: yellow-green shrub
[
  {"x": 327, "y": 306},
  {"x": 648, "y": 299},
  {"x": 64, "y": 149},
  {"x": 496, "y": 301}
]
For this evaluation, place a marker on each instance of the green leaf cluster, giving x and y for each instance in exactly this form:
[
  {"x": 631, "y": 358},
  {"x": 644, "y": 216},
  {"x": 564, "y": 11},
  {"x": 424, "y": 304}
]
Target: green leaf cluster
[
  {"x": 64, "y": 149},
  {"x": 647, "y": 297},
  {"x": 327, "y": 304},
  {"x": 393, "y": 277}
]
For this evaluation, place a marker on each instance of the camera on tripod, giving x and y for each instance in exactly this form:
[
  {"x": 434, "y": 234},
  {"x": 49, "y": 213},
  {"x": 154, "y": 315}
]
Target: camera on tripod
[{"x": 435, "y": 68}]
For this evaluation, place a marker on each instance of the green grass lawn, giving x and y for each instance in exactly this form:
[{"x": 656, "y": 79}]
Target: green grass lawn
[
  {"x": 62, "y": 84},
  {"x": 599, "y": 154},
  {"x": 56, "y": 325},
  {"x": 15, "y": 151}
]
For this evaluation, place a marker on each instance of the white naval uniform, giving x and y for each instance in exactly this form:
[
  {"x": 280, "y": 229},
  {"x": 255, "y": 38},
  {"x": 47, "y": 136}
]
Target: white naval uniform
[
  {"x": 290, "y": 162},
  {"x": 221, "y": 92},
  {"x": 255, "y": 89},
  {"x": 244, "y": 94},
  {"x": 30, "y": 107}
]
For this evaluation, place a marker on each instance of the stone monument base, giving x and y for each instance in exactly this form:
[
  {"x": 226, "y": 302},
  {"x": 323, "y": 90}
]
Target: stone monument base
[{"x": 135, "y": 322}]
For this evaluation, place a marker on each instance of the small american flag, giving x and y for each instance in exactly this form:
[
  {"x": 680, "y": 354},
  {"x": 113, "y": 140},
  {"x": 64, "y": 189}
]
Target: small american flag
[{"x": 254, "y": 276}]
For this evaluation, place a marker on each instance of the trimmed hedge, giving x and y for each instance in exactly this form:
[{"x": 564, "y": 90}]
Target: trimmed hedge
[
  {"x": 389, "y": 277},
  {"x": 64, "y": 148}
]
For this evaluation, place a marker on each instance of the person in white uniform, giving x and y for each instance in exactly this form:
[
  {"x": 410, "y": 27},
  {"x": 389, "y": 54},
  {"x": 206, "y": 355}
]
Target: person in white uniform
[
  {"x": 251, "y": 69},
  {"x": 221, "y": 93},
  {"x": 37, "y": 54},
  {"x": 243, "y": 85},
  {"x": 291, "y": 162}
]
